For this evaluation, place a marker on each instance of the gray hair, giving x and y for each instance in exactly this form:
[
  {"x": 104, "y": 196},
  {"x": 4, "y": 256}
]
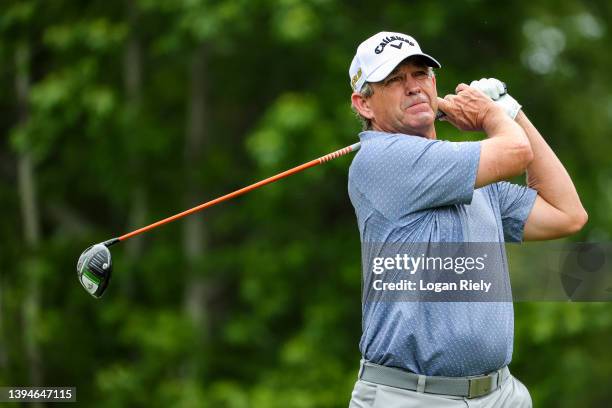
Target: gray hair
[{"x": 366, "y": 91}]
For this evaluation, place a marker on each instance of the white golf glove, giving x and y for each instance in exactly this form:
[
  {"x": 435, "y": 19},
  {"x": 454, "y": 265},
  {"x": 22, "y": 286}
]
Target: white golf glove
[{"x": 496, "y": 90}]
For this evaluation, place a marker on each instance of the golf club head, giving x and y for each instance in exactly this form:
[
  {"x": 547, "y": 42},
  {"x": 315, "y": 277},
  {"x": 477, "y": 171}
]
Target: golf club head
[{"x": 94, "y": 269}]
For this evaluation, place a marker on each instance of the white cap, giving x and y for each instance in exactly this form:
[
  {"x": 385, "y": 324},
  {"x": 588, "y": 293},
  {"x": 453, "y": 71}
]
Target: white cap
[{"x": 377, "y": 56}]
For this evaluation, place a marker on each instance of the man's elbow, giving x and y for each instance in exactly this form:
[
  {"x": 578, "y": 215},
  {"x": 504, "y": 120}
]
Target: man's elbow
[{"x": 578, "y": 221}]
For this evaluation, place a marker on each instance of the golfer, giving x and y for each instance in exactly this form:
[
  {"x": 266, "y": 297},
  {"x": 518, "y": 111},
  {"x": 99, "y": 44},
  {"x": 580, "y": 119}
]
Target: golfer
[{"x": 408, "y": 187}]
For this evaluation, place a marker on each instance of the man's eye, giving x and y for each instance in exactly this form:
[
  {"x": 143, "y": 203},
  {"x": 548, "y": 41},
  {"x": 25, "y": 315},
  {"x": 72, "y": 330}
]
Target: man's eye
[{"x": 394, "y": 79}]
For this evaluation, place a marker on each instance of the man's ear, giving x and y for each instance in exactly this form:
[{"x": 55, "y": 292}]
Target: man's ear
[{"x": 362, "y": 105}]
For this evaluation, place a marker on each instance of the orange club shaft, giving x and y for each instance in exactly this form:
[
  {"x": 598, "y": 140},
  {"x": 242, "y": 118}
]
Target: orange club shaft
[{"x": 244, "y": 190}]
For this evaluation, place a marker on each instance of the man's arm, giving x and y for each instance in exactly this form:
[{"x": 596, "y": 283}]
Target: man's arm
[
  {"x": 507, "y": 151},
  {"x": 557, "y": 211}
]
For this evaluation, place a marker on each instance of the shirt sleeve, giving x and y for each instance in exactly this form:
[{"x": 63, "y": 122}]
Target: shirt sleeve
[
  {"x": 515, "y": 204},
  {"x": 401, "y": 174}
]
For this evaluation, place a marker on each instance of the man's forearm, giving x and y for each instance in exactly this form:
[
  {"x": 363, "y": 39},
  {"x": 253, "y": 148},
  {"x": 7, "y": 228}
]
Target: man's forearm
[{"x": 547, "y": 176}]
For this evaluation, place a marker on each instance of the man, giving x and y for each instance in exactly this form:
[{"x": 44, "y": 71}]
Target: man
[{"x": 407, "y": 187}]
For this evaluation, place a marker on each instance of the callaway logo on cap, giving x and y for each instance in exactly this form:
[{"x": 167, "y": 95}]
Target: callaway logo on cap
[{"x": 377, "y": 56}]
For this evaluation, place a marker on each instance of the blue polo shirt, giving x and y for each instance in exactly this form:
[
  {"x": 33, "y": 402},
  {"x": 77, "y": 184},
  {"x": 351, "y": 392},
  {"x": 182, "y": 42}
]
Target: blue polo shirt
[{"x": 409, "y": 189}]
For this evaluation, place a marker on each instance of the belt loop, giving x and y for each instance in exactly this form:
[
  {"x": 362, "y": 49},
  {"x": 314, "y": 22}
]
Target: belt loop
[
  {"x": 421, "y": 383},
  {"x": 361, "y": 367}
]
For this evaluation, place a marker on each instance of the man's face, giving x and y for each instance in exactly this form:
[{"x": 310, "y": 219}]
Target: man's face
[{"x": 406, "y": 101}]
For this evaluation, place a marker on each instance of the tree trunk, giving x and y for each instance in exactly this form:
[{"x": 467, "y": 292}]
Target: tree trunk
[
  {"x": 31, "y": 221},
  {"x": 133, "y": 88},
  {"x": 3, "y": 351},
  {"x": 194, "y": 232}
]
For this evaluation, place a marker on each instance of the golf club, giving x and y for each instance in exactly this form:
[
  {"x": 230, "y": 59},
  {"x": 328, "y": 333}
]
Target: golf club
[{"x": 94, "y": 266}]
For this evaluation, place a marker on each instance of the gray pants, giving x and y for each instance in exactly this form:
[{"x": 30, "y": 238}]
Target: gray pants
[{"x": 512, "y": 393}]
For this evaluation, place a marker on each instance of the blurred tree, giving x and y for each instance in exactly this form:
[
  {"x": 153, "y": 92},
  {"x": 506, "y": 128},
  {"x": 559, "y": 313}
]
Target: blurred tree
[
  {"x": 132, "y": 71},
  {"x": 30, "y": 219},
  {"x": 140, "y": 108}
]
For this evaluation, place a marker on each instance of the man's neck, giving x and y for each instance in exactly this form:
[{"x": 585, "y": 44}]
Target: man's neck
[{"x": 427, "y": 133}]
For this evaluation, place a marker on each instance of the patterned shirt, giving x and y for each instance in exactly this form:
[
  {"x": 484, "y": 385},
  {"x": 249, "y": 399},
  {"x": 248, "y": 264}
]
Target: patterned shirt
[{"x": 411, "y": 189}]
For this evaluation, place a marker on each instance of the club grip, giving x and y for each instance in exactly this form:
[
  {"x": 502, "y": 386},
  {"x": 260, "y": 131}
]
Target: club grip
[{"x": 333, "y": 155}]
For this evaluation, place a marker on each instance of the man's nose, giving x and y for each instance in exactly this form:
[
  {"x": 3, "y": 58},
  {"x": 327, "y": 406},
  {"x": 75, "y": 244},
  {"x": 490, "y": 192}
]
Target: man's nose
[{"x": 412, "y": 87}]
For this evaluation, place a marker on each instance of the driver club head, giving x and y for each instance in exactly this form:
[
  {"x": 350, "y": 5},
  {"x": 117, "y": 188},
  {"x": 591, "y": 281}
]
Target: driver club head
[{"x": 94, "y": 269}]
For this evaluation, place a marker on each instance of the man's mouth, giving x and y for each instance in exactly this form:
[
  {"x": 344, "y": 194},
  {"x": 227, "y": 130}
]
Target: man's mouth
[{"x": 417, "y": 105}]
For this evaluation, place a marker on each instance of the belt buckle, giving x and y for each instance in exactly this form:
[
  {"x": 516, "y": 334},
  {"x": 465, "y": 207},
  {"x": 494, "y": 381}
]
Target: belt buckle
[{"x": 480, "y": 386}]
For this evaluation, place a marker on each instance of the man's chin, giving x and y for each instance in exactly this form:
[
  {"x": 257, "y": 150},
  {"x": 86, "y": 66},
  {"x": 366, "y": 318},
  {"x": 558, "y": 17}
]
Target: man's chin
[{"x": 425, "y": 122}]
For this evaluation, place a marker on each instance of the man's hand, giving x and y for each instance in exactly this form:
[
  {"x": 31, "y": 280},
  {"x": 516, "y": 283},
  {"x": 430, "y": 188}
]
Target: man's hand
[
  {"x": 493, "y": 88},
  {"x": 496, "y": 90},
  {"x": 557, "y": 211},
  {"x": 506, "y": 152},
  {"x": 469, "y": 109}
]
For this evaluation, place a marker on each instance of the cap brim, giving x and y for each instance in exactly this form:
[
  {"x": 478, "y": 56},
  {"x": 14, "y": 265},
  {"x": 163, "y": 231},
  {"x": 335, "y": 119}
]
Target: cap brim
[{"x": 385, "y": 69}]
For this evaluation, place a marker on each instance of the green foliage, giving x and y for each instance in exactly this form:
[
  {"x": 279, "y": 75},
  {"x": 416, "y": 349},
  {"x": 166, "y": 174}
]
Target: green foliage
[
  {"x": 280, "y": 268},
  {"x": 98, "y": 35}
]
